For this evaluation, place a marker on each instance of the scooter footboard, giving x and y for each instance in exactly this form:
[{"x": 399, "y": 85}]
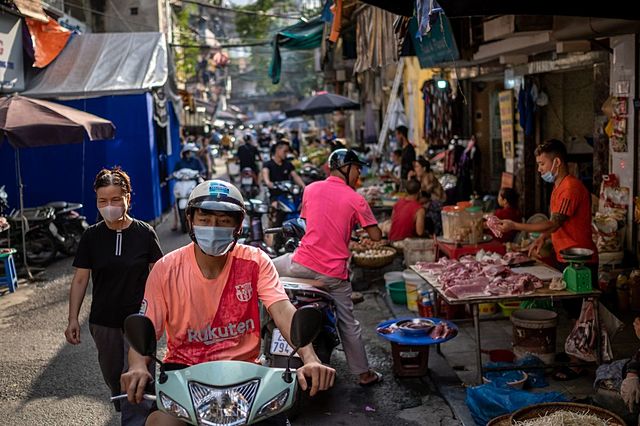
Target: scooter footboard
[{"x": 225, "y": 392}]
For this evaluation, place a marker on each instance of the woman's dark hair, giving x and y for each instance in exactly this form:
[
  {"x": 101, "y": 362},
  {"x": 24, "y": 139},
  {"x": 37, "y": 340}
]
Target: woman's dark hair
[
  {"x": 554, "y": 147},
  {"x": 424, "y": 163},
  {"x": 511, "y": 196},
  {"x": 115, "y": 176}
]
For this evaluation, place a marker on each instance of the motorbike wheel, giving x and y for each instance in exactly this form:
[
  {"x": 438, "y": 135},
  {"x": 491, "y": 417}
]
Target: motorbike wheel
[
  {"x": 183, "y": 220},
  {"x": 72, "y": 238},
  {"x": 40, "y": 247}
]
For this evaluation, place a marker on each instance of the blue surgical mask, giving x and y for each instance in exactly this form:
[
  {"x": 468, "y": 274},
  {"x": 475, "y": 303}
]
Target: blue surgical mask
[
  {"x": 214, "y": 240},
  {"x": 548, "y": 176}
]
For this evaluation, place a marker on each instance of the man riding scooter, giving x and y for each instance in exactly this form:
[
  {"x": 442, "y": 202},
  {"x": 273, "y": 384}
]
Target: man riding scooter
[
  {"x": 189, "y": 161},
  {"x": 331, "y": 208},
  {"x": 205, "y": 295}
]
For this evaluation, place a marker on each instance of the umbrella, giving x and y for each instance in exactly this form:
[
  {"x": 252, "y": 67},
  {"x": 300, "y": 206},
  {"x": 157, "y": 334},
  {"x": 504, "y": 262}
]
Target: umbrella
[
  {"x": 322, "y": 104},
  {"x": 29, "y": 122}
]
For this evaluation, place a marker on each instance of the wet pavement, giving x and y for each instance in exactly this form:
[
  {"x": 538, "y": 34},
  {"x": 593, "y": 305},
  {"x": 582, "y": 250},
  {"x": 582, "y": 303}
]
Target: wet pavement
[{"x": 44, "y": 380}]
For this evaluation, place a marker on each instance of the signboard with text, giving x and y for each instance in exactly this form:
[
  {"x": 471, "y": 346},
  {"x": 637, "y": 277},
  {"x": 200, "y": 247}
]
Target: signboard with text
[
  {"x": 507, "y": 123},
  {"x": 11, "y": 68}
]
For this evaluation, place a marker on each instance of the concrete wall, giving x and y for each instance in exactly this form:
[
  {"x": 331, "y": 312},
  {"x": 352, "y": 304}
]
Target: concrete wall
[
  {"x": 623, "y": 68},
  {"x": 118, "y": 17}
]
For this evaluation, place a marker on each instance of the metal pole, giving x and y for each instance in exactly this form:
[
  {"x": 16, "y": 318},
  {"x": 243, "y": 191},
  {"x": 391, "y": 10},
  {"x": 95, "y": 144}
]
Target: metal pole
[
  {"x": 476, "y": 324},
  {"x": 22, "y": 218}
]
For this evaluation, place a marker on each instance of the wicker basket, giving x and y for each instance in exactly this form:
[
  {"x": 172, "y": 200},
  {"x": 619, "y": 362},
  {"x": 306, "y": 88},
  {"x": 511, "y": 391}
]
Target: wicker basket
[
  {"x": 504, "y": 420},
  {"x": 378, "y": 262},
  {"x": 539, "y": 410}
]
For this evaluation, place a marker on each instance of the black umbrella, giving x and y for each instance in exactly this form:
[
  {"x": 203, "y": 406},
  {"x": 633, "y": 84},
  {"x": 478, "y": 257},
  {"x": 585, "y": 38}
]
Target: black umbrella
[{"x": 321, "y": 104}]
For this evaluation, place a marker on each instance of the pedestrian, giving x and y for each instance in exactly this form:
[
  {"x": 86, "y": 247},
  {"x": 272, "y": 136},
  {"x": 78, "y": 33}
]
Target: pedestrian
[
  {"x": 198, "y": 286},
  {"x": 117, "y": 254},
  {"x": 568, "y": 227},
  {"x": 408, "y": 151},
  {"x": 331, "y": 209}
]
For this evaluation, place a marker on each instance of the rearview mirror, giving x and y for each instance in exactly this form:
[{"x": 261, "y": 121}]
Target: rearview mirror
[
  {"x": 141, "y": 334},
  {"x": 305, "y": 326}
]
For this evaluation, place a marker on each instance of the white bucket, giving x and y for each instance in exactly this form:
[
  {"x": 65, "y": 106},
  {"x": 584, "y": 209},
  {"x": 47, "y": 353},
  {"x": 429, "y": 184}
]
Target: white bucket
[
  {"x": 393, "y": 277},
  {"x": 412, "y": 282}
]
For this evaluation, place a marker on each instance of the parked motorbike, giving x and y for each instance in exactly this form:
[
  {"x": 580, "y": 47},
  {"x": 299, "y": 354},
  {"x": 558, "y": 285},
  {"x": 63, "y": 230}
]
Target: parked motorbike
[
  {"x": 40, "y": 233},
  {"x": 249, "y": 183},
  {"x": 186, "y": 180},
  {"x": 71, "y": 225},
  {"x": 256, "y": 209},
  {"x": 223, "y": 392}
]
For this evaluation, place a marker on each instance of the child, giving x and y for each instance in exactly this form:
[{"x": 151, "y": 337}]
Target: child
[{"x": 508, "y": 202}]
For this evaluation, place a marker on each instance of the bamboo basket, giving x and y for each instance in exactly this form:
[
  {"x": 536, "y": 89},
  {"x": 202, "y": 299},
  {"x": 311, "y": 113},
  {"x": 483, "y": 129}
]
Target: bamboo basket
[
  {"x": 539, "y": 410},
  {"x": 378, "y": 262},
  {"x": 504, "y": 420}
]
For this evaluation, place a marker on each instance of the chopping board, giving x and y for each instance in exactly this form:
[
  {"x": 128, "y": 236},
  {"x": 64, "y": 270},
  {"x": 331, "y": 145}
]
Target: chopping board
[{"x": 544, "y": 273}]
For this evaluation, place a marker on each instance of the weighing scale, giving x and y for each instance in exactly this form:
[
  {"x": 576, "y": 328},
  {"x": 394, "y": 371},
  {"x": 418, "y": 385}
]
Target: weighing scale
[{"x": 576, "y": 275}]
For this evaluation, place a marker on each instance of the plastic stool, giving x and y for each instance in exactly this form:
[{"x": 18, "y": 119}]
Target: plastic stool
[{"x": 9, "y": 278}]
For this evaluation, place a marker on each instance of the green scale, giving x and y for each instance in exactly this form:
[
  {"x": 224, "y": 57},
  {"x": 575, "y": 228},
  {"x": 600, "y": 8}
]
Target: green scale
[{"x": 577, "y": 275}]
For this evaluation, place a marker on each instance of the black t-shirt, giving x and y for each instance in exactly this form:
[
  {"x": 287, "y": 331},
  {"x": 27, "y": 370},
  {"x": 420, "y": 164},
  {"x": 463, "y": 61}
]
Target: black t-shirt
[
  {"x": 247, "y": 155},
  {"x": 278, "y": 173},
  {"x": 408, "y": 157},
  {"x": 119, "y": 263}
]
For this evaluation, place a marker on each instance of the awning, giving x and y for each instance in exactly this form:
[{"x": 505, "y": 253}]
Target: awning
[
  {"x": 458, "y": 8},
  {"x": 93, "y": 65},
  {"x": 437, "y": 46},
  {"x": 300, "y": 36}
]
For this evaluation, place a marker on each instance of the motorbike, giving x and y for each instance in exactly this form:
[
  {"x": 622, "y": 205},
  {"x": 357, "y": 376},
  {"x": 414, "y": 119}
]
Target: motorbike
[
  {"x": 71, "y": 225},
  {"x": 290, "y": 233},
  {"x": 256, "y": 209},
  {"x": 223, "y": 392},
  {"x": 249, "y": 183},
  {"x": 288, "y": 202},
  {"x": 41, "y": 235},
  {"x": 186, "y": 180},
  {"x": 310, "y": 173}
]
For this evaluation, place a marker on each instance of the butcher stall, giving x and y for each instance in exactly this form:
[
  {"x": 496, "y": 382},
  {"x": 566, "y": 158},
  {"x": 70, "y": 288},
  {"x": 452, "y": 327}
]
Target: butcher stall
[{"x": 493, "y": 278}]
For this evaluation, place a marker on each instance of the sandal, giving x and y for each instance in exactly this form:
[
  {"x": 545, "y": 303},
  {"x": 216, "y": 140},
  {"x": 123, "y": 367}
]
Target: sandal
[
  {"x": 378, "y": 379},
  {"x": 564, "y": 374}
]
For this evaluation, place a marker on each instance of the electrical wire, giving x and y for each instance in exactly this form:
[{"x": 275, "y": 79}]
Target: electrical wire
[
  {"x": 98, "y": 12},
  {"x": 246, "y": 12}
]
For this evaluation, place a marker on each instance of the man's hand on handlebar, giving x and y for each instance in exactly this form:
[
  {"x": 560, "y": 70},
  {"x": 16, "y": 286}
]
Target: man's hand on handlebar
[{"x": 134, "y": 382}]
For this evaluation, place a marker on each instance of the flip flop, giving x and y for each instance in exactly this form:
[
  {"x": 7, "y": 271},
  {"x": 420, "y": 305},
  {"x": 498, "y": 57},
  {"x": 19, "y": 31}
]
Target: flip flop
[{"x": 378, "y": 379}]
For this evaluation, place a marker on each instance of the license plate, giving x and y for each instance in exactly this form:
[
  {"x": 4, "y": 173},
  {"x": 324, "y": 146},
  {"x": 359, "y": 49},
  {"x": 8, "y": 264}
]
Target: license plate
[
  {"x": 279, "y": 345},
  {"x": 247, "y": 181}
]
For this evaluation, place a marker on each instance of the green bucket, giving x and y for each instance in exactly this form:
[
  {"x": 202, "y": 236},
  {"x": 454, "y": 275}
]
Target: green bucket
[{"x": 397, "y": 292}]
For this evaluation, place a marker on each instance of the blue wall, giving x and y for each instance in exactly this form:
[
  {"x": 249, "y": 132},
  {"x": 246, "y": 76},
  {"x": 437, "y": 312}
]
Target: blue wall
[{"x": 66, "y": 172}]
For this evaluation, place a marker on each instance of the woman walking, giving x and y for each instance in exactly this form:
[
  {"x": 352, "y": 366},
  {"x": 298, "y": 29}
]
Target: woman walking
[{"x": 117, "y": 254}]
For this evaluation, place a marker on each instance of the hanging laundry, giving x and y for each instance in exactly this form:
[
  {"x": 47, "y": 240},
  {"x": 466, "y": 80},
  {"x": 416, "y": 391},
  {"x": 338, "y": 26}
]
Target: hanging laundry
[{"x": 438, "y": 113}]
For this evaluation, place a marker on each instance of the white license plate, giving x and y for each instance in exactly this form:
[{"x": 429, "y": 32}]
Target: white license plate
[
  {"x": 279, "y": 345},
  {"x": 247, "y": 181}
]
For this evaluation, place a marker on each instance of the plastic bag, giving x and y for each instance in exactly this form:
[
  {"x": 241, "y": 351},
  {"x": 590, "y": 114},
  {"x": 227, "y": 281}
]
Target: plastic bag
[
  {"x": 487, "y": 401},
  {"x": 581, "y": 342}
]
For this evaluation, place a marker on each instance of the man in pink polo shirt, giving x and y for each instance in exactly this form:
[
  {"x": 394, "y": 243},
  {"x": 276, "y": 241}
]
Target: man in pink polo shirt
[{"x": 331, "y": 209}]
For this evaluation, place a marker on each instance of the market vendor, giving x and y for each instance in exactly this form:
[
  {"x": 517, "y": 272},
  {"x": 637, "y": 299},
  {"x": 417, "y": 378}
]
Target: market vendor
[
  {"x": 570, "y": 223},
  {"x": 508, "y": 202},
  {"x": 408, "y": 215},
  {"x": 432, "y": 194}
]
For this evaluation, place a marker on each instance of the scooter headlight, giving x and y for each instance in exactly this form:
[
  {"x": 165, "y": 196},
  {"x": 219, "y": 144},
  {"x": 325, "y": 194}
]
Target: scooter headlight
[
  {"x": 223, "y": 406},
  {"x": 173, "y": 407},
  {"x": 274, "y": 405}
]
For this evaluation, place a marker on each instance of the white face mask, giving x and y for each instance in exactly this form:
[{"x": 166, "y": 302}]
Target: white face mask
[
  {"x": 214, "y": 240},
  {"x": 111, "y": 213}
]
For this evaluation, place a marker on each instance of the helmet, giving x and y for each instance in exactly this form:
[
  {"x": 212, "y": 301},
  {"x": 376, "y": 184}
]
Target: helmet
[
  {"x": 216, "y": 195},
  {"x": 344, "y": 157},
  {"x": 189, "y": 147}
]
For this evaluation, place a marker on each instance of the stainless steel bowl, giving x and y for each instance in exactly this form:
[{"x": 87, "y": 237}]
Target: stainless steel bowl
[{"x": 576, "y": 253}]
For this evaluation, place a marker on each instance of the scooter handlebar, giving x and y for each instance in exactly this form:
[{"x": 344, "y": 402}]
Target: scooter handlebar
[
  {"x": 146, "y": 396},
  {"x": 273, "y": 230}
]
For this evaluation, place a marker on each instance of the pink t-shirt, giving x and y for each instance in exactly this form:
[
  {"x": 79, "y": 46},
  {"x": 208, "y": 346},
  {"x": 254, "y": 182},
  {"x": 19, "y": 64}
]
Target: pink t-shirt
[
  {"x": 331, "y": 209},
  {"x": 211, "y": 319}
]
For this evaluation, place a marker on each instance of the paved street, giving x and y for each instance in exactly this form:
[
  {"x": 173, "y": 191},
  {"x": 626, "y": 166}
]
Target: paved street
[{"x": 43, "y": 380}]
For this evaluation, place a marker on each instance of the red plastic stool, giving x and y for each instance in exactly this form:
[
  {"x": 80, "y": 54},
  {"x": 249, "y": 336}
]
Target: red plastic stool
[{"x": 9, "y": 277}]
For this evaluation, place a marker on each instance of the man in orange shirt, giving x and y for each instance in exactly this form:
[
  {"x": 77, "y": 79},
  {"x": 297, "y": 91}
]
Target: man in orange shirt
[
  {"x": 570, "y": 223},
  {"x": 205, "y": 296}
]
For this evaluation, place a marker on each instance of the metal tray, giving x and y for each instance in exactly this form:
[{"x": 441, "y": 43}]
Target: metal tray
[{"x": 577, "y": 254}]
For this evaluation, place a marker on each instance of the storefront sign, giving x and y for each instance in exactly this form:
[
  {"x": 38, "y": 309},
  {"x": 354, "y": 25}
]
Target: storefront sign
[
  {"x": 506, "y": 123},
  {"x": 11, "y": 69},
  {"x": 72, "y": 24},
  {"x": 437, "y": 46}
]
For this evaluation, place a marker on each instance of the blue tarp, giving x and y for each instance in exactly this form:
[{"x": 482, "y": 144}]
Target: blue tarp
[{"x": 66, "y": 172}]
